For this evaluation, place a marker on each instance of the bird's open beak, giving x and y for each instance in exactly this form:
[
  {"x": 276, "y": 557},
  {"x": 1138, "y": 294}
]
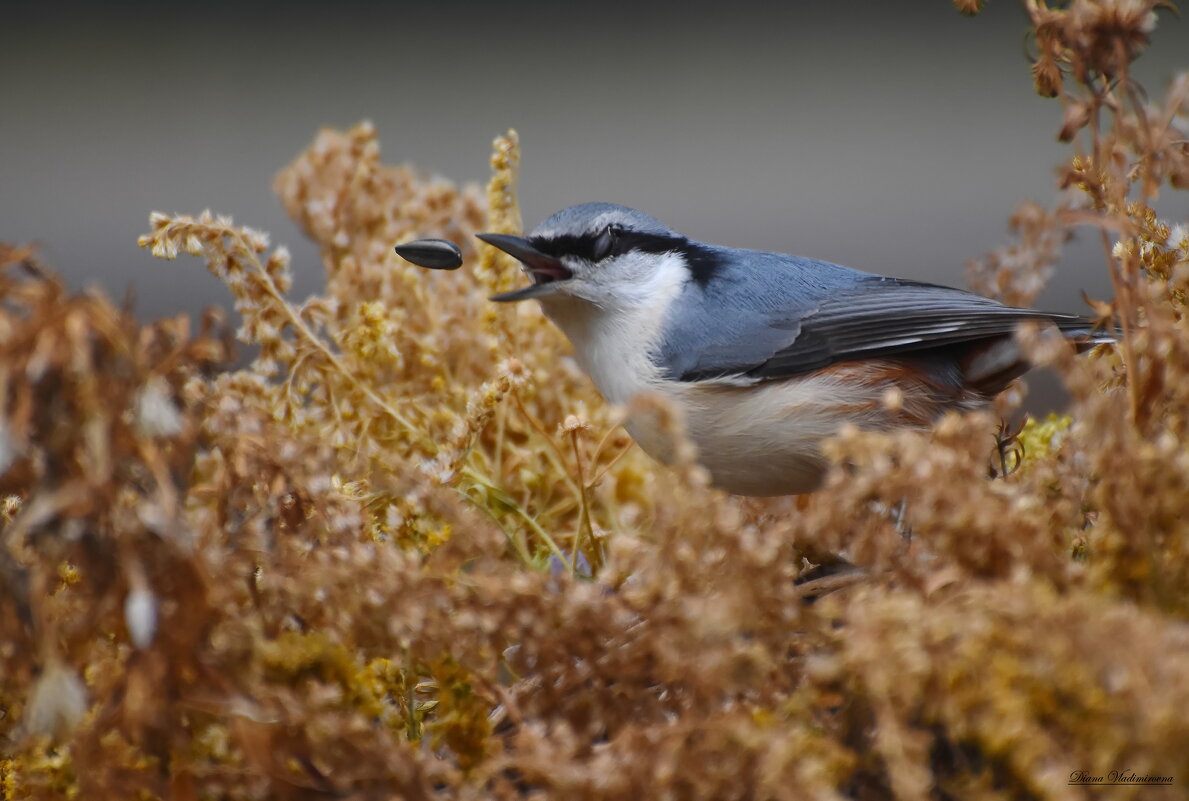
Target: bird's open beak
[{"x": 545, "y": 270}]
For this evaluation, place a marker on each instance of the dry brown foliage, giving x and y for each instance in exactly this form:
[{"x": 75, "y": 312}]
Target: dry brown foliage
[{"x": 408, "y": 553}]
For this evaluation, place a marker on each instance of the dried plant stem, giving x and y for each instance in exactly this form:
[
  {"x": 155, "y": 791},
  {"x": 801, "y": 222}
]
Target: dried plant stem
[
  {"x": 1119, "y": 282},
  {"x": 543, "y": 534},
  {"x": 598, "y": 476},
  {"x": 554, "y": 453},
  {"x": 482, "y": 480},
  {"x": 501, "y": 427},
  {"x": 516, "y": 537},
  {"x": 314, "y": 341},
  {"x": 1124, "y": 299},
  {"x": 584, "y": 523}
]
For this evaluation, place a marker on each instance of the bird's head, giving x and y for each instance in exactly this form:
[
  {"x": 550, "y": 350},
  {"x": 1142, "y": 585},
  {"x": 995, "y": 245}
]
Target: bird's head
[{"x": 608, "y": 255}]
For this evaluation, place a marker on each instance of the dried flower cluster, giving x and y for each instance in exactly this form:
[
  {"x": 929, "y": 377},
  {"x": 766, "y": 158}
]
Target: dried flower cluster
[{"x": 408, "y": 553}]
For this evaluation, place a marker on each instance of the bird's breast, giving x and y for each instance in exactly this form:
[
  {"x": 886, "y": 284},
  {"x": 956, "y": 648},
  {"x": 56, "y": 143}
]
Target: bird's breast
[{"x": 613, "y": 348}]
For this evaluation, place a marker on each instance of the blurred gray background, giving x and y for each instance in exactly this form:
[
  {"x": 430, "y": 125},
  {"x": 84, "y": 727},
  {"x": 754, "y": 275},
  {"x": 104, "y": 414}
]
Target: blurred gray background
[{"x": 892, "y": 137}]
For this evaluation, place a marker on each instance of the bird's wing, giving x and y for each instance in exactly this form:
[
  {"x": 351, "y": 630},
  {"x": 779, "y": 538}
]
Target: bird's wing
[{"x": 872, "y": 317}]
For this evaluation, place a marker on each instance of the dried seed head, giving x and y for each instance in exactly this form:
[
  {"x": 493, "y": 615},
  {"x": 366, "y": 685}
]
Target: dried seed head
[
  {"x": 1077, "y": 114},
  {"x": 57, "y": 702},
  {"x": 156, "y": 413},
  {"x": 1046, "y": 76},
  {"x": 140, "y": 615}
]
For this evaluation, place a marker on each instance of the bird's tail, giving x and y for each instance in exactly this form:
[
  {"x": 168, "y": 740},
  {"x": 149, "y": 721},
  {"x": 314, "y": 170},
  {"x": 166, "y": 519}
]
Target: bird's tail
[
  {"x": 1085, "y": 332},
  {"x": 990, "y": 366}
]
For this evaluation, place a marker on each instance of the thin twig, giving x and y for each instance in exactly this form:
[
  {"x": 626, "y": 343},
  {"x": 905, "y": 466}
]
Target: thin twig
[
  {"x": 316, "y": 342},
  {"x": 583, "y": 510}
]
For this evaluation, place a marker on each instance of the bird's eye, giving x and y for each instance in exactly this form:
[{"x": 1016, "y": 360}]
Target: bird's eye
[{"x": 604, "y": 244}]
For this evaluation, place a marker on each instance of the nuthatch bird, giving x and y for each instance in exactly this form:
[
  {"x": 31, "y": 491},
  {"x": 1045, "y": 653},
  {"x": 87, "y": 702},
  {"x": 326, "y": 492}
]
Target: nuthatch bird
[{"x": 764, "y": 354}]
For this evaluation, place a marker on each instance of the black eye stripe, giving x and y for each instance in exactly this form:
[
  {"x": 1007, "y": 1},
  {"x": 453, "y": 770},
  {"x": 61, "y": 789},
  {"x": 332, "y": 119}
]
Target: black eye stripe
[
  {"x": 703, "y": 262},
  {"x": 594, "y": 246}
]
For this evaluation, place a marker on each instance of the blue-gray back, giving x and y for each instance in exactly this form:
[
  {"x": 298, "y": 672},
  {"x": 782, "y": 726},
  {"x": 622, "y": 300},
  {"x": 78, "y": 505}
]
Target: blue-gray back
[{"x": 767, "y": 315}]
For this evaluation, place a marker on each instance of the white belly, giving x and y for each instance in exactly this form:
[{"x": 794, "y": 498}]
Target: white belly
[{"x": 762, "y": 439}]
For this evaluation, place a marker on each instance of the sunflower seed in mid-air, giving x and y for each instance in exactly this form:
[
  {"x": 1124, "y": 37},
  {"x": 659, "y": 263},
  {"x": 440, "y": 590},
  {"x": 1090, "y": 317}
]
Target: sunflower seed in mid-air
[{"x": 435, "y": 254}]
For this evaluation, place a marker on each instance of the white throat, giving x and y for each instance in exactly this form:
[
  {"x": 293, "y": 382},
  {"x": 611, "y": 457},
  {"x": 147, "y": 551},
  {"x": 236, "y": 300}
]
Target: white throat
[{"x": 613, "y": 337}]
